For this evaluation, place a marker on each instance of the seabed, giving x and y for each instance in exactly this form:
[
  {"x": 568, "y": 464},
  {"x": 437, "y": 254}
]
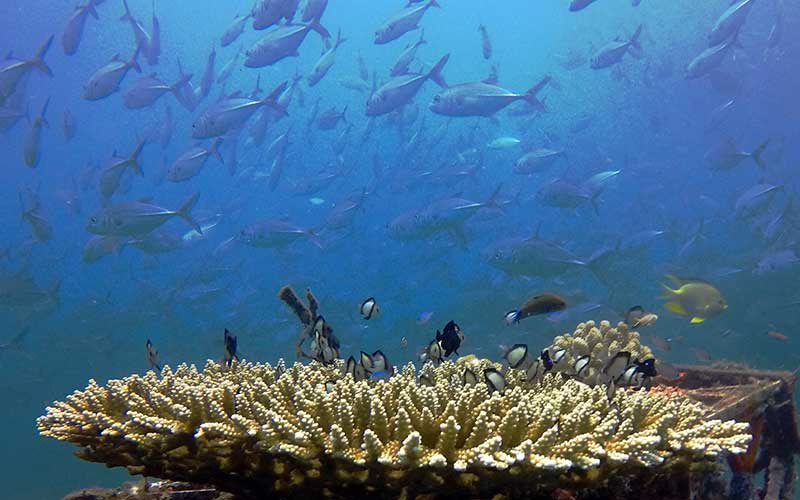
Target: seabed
[{"x": 762, "y": 398}]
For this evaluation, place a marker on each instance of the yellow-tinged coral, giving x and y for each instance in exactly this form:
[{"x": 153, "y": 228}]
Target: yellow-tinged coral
[
  {"x": 599, "y": 341},
  {"x": 257, "y": 425}
]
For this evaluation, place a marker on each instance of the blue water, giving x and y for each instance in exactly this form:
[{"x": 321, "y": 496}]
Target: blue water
[{"x": 640, "y": 116}]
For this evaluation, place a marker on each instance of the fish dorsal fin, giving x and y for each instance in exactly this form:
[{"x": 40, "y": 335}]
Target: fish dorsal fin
[
  {"x": 116, "y": 57},
  {"x": 145, "y": 199}
]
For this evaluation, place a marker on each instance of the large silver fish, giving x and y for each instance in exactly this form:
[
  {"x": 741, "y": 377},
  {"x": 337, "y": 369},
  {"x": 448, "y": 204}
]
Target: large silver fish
[
  {"x": 401, "y": 23},
  {"x": 12, "y": 70},
  {"x": 531, "y": 257},
  {"x": 281, "y": 42},
  {"x": 266, "y": 13},
  {"x": 481, "y": 99},
  {"x": 400, "y": 90},
  {"x": 232, "y": 113},
  {"x": 313, "y": 9},
  {"x": 537, "y": 160},
  {"x": 106, "y": 80},
  {"x": 137, "y": 218}
]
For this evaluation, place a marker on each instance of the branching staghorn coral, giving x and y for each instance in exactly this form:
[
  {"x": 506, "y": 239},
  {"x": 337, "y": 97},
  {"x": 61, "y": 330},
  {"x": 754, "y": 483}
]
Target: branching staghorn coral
[
  {"x": 309, "y": 428},
  {"x": 599, "y": 341}
]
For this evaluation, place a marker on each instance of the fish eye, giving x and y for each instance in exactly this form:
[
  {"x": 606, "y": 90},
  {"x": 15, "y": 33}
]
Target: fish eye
[
  {"x": 93, "y": 220},
  {"x": 437, "y": 98}
]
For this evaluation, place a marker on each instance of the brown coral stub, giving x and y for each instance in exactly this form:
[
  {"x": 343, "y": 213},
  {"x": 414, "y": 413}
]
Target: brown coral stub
[{"x": 251, "y": 428}]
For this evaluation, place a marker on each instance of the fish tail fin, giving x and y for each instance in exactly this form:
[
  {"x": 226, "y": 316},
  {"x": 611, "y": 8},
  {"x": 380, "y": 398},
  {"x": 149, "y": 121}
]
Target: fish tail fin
[
  {"x": 530, "y": 95},
  {"x": 313, "y": 236},
  {"x": 38, "y": 58},
  {"x": 315, "y": 25},
  {"x": 339, "y": 39},
  {"x": 134, "y": 63},
  {"x": 435, "y": 73},
  {"x": 491, "y": 201},
  {"x": 182, "y": 80},
  {"x": 272, "y": 99},
  {"x": 756, "y": 154},
  {"x": 134, "y": 158},
  {"x": 635, "y": 38},
  {"x": 44, "y": 110},
  {"x": 344, "y": 117},
  {"x": 127, "y": 16},
  {"x": 184, "y": 212},
  {"x": 52, "y": 292},
  {"x": 214, "y": 150},
  {"x": 90, "y": 8},
  {"x": 433, "y": 3}
]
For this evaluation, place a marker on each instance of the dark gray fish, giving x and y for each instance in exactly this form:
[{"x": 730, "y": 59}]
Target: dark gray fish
[
  {"x": 69, "y": 125},
  {"x": 400, "y": 66},
  {"x": 323, "y": 65},
  {"x": 329, "y": 118},
  {"x": 192, "y": 161},
  {"x": 208, "y": 74},
  {"x": 31, "y": 145},
  {"x": 112, "y": 171},
  {"x": 231, "y": 114},
  {"x": 576, "y": 5},
  {"x": 313, "y": 9},
  {"x": 106, "y": 80}
]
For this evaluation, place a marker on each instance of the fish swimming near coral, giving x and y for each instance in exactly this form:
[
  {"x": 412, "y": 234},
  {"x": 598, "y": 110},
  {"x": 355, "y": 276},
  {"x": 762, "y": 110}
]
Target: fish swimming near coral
[
  {"x": 693, "y": 298},
  {"x": 544, "y": 303}
]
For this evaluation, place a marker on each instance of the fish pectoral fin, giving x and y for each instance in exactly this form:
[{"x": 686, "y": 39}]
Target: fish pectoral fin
[
  {"x": 676, "y": 308},
  {"x": 698, "y": 319}
]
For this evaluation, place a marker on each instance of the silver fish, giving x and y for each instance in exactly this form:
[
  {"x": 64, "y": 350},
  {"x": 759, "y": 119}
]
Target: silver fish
[
  {"x": 401, "y": 23},
  {"x": 274, "y": 233},
  {"x": 710, "y": 58},
  {"x": 325, "y": 62},
  {"x": 106, "y": 80},
  {"x": 400, "y": 66},
  {"x": 208, "y": 74},
  {"x": 400, "y": 90},
  {"x": 234, "y": 30},
  {"x": 73, "y": 32},
  {"x": 537, "y": 161},
  {"x": 30, "y": 148},
  {"x": 313, "y": 9},
  {"x": 138, "y": 218},
  {"x": 146, "y": 90},
  {"x": 191, "y": 162},
  {"x": 729, "y": 22},
  {"x": 612, "y": 52},
  {"x": 232, "y": 113},
  {"x": 481, "y": 99},
  {"x": 13, "y": 70},
  {"x": 114, "y": 168},
  {"x": 281, "y": 42}
]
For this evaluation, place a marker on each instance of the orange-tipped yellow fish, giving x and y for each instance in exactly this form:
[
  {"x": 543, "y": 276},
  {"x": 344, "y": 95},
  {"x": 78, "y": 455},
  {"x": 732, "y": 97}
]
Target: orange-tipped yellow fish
[{"x": 693, "y": 298}]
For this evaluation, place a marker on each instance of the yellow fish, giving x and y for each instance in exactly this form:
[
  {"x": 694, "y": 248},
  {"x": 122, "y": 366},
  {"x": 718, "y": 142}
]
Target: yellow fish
[{"x": 693, "y": 298}]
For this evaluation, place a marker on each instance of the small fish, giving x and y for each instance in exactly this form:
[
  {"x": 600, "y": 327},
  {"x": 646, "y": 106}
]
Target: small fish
[
  {"x": 494, "y": 379},
  {"x": 581, "y": 365},
  {"x": 633, "y": 314},
  {"x": 434, "y": 351},
  {"x": 152, "y": 356},
  {"x": 424, "y": 317},
  {"x": 545, "y": 303},
  {"x": 695, "y": 299},
  {"x": 701, "y": 354},
  {"x": 534, "y": 371},
  {"x": 504, "y": 143},
  {"x": 617, "y": 365},
  {"x": 778, "y": 335},
  {"x": 316, "y": 201},
  {"x": 646, "y": 320},
  {"x": 230, "y": 349},
  {"x": 403, "y": 343},
  {"x": 517, "y": 355},
  {"x": 469, "y": 377},
  {"x": 369, "y": 308},
  {"x": 451, "y": 338},
  {"x": 660, "y": 343}
]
